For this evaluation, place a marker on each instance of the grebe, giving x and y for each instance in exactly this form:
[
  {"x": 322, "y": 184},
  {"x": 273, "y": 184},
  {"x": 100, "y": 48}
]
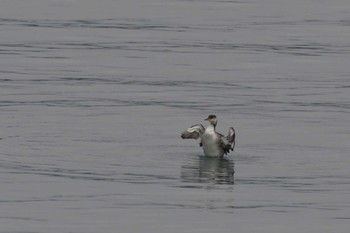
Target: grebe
[{"x": 214, "y": 144}]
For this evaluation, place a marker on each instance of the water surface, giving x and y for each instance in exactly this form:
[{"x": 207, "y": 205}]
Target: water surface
[{"x": 94, "y": 95}]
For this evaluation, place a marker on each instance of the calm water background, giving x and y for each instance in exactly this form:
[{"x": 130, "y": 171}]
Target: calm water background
[{"x": 94, "y": 95}]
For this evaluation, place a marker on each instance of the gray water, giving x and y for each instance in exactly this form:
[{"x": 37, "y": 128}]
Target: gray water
[{"x": 94, "y": 96}]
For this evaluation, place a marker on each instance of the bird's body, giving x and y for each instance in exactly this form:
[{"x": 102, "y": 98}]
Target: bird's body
[
  {"x": 210, "y": 143},
  {"x": 214, "y": 144}
]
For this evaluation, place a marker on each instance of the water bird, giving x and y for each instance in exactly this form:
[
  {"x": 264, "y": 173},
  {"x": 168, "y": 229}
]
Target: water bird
[{"x": 213, "y": 143}]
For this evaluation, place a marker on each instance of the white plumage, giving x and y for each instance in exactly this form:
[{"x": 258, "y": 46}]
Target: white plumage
[{"x": 214, "y": 144}]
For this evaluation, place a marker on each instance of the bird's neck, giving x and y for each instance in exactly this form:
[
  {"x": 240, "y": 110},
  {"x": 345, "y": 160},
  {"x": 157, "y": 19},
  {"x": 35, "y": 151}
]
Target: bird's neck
[{"x": 211, "y": 127}]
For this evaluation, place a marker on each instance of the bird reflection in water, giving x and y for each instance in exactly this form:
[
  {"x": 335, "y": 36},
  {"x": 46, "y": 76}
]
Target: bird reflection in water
[{"x": 205, "y": 169}]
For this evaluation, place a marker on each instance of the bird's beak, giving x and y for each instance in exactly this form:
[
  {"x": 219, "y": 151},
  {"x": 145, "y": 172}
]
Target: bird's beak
[{"x": 206, "y": 119}]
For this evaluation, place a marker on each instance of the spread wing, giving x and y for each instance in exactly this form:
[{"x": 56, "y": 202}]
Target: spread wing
[
  {"x": 229, "y": 142},
  {"x": 194, "y": 132}
]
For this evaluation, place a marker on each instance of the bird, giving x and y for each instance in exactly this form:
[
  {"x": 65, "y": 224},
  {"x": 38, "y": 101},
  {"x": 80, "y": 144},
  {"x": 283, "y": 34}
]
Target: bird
[{"x": 213, "y": 143}]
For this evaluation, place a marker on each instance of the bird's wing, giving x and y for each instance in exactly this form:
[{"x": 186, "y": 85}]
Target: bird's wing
[
  {"x": 194, "y": 132},
  {"x": 228, "y": 142}
]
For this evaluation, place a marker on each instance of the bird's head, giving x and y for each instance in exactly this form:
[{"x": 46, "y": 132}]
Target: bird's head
[{"x": 212, "y": 120}]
